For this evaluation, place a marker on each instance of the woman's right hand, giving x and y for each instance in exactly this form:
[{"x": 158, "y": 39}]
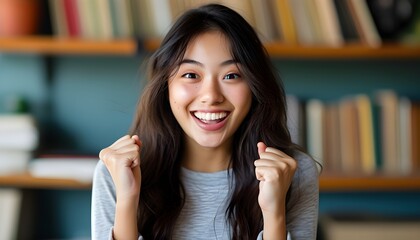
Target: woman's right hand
[{"x": 122, "y": 160}]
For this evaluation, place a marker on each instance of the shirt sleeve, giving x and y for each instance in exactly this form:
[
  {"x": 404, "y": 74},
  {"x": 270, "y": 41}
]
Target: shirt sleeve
[
  {"x": 302, "y": 207},
  {"x": 103, "y": 204}
]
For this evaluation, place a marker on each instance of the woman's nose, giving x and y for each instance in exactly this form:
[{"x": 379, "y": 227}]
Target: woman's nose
[{"x": 210, "y": 92}]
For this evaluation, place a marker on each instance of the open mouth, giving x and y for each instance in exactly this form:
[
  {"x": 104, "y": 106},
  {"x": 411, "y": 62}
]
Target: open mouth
[{"x": 210, "y": 117}]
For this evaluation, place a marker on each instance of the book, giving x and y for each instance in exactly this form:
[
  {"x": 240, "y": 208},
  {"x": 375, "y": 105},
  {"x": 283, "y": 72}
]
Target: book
[
  {"x": 332, "y": 151},
  {"x": 366, "y": 134},
  {"x": 18, "y": 132},
  {"x": 10, "y": 205},
  {"x": 72, "y": 18},
  {"x": 86, "y": 19},
  {"x": 79, "y": 168},
  {"x": 315, "y": 126},
  {"x": 104, "y": 21},
  {"x": 264, "y": 20},
  {"x": 58, "y": 18},
  {"x": 349, "y": 135},
  {"x": 415, "y": 135},
  {"x": 304, "y": 30},
  {"x": 295, "y": 119},
  {"x": 14, "y": 161},
  {"x": 329, "y": 23},
  {"x": 364, "y": 22},
  {"x": 346, "y": 21},
  {"x": 387, "y": 101},
  {"x": 159, "y": 17},
  {"x": 285, "y": 22},
  {"x": 244, "y": 8},
  {"x": 370, "y": 228},
  {"x": 406, "y": 163},
  {"x": 314, "y": 21},
  {"x": 122, "y": 22}
]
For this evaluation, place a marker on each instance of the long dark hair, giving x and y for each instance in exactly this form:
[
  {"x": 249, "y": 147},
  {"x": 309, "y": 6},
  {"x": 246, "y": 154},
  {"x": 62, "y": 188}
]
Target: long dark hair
[{"x": 161, "y": 197}]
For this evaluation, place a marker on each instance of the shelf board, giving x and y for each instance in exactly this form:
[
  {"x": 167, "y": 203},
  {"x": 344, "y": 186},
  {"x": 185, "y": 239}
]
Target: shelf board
[
  {"x": 63, "y": 46},
  {"x": 377, "y": 182},
  {"x": 25, "y": 180},
  {"x": 345, "y": 52},
  {"x": 129, "y": 47},
  {"x": 328, "y": 182},
  {"x": 280, "y": 50}
]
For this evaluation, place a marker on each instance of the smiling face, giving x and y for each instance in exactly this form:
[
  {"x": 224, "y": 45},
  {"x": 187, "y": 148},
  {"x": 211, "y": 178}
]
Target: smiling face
[{"x": 208, "y": 95}]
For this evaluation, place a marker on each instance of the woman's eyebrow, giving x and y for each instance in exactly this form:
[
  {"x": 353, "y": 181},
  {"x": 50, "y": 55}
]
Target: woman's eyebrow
[{"x": 190, "y": 61}]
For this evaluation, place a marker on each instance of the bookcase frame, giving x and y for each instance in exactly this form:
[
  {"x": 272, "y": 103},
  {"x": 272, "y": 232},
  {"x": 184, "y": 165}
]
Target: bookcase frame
[{"x": 130, "y": 47}]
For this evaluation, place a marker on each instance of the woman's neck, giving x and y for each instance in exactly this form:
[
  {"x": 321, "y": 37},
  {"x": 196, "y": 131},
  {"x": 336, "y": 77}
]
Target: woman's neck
[{"x": 205, "y": 159}]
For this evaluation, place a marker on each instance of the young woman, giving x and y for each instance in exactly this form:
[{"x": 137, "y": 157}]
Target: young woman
[{"x": 209, "y": 155}]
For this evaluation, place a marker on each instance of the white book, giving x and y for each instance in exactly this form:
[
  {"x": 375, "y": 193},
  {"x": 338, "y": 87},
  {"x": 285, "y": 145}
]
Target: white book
[
  {"x": 161, "y": 16},
  {"x": 315, "y": 128},
  {"x": 77, "y": 168},
  {"x": 18, "y": 132},
  {"x": 329, "y": 23},
  {"x": 10, "y": 205},
  {"x": 13, "y": 161},
  {"x": 86, "y": 20}
]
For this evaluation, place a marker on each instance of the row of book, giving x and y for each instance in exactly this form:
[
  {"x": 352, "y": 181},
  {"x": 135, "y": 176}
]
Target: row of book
[
  {"x": 304, "y": 22},
  {"x": 360, "y": 133}
]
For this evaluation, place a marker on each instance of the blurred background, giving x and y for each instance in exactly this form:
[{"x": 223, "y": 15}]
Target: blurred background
[{"x": 71, "y": 72}]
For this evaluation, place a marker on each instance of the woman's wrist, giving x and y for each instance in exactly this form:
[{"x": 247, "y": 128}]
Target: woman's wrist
[
  {"x": 274, "y": 226},
  {"x": 125, "y": 225}
]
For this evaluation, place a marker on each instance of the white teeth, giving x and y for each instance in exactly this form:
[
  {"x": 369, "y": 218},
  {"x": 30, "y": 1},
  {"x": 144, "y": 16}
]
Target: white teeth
[{"x": 210, "y": 116}]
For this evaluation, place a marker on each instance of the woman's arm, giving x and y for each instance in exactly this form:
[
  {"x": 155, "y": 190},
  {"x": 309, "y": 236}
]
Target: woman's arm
[
  {"x": 275, "y": 171},
  {"x": 122, "y": 160},
  {"x": 302, "y": 207},
  {"x": 103, "y": 203}
]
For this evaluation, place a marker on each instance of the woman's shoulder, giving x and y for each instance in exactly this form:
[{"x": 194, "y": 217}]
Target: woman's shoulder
[
  {"x": 307, "y": 172},
  {"x": 101, "y": 176},
  {"x": 306, "y": 163}
]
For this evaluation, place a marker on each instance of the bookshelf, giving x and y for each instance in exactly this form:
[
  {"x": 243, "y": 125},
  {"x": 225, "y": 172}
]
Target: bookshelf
[{"x": 69, "y": 72}]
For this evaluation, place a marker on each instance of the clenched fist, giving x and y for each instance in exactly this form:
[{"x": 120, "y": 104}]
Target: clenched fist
[{"x": 122, "y": 160}]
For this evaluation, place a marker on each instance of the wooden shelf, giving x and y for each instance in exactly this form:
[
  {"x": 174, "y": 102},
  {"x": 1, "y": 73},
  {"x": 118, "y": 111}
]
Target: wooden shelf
[
  {"x": 345, "y": 52},
  {"x": 129, "y": 47},
  {"x": 280, "y": 50},
  {"x": 328, "y": 183},
  {"x": 59, "y": 46},
  {"x": 335, "y": 182},
  {"x": 28, "y": 181}
]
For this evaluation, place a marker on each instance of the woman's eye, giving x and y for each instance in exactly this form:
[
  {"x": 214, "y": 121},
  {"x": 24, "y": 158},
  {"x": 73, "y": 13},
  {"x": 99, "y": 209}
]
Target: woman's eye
[
  {"x": 232, "y": 76},
  {"x": 189, "y": 75}
]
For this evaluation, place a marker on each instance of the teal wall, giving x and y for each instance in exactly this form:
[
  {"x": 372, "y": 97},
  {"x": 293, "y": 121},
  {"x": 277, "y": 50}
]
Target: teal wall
[{"x": 84, "y": 103}]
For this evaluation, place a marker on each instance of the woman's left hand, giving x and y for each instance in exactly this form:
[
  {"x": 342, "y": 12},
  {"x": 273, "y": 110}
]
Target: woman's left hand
[{"x": 275, "y": 171}]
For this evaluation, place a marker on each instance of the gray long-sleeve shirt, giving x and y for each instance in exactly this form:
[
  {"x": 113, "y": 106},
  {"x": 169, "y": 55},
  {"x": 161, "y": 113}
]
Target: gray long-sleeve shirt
[{"x": 207, "y": 196}]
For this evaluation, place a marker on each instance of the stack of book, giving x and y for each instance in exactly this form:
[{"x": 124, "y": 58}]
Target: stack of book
[{"x": 18, "y": 139}]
